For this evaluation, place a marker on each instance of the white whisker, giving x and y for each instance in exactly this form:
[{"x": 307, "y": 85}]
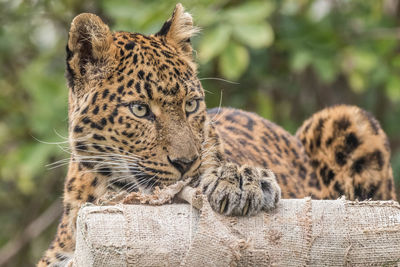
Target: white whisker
[
  {"x": 218, "y": 79},
  {"x": 60, "y": 135},
  {"x": 215, "y": 118}
]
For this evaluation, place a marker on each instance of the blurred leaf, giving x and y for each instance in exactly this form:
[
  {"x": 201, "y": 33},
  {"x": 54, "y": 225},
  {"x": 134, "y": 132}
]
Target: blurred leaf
[
  {"x": 265, "y": 105},
  {"x": 254, "y": 35},
  {"x": 300, "y": 60},
  {"x": 34, "y": 161},
  {"x": 379, "y": 76},
  {"x": 206, "y": 17},
  {"x": 325, "y": 69},
  {"x": 358, "y": 60},
  {"x": 213, "y": 42},
  {"x": 396, "y": 168},
  {"x": 48, "y": 90},
  {"x": 393, "y": 88},
  {"x": 252, "y": 11},
  {"x": 126, "y": 9},
  {"x": 233, "y": 61},
  {"x": 365, "y": 60},
  {"x": 396, "y": 61},
  {"x": 356, "y": 81}
]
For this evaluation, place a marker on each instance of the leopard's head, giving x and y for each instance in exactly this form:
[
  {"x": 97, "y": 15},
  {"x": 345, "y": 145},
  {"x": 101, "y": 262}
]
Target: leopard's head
[{"x": 136, "y": 107}]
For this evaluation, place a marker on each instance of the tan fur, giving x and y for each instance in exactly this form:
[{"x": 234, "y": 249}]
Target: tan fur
[
  {"x": 180, "y": 31},
  {"x": 182, "y": 28},
  {"x": 242, "y": 162},
  {"x": 87, "y": 29},
  {"x": 371, "y": 139}
]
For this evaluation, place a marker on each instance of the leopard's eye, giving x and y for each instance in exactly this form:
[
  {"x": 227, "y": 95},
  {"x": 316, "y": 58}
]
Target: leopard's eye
[
  {"x": 191, "y": 106},
  {"x": 139, "y": 110}
]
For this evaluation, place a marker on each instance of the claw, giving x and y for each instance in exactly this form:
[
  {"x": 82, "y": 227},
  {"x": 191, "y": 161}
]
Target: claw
[
  {"x": 246, "y": 207},
  {"x": 223, "y": 205}
]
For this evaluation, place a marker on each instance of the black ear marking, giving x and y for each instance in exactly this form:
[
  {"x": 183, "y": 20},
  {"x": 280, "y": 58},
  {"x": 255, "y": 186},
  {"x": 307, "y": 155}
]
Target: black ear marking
[
  {"x": 164, "y": 29},
  {"x": 179, "y": 29},
  {"x": 69, "y": 74}
]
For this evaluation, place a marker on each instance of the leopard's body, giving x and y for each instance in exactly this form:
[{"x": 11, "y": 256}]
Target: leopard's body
[{"x": 138, "y": 119}]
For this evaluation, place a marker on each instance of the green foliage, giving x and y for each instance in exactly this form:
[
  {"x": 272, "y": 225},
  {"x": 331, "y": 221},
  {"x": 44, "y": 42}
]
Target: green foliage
[
  {"x": 283, "y": 59},
  {"x": 233, "y": 61},
  {"x": 233, "y": 32},
  {"x": 214, "y": 42}
]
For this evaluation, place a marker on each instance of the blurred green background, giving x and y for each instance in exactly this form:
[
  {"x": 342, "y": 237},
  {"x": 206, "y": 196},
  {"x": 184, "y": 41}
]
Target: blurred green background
[{"x": 283, "y": 59}]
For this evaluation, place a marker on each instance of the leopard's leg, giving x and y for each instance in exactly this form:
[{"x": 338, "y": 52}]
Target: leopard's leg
[
  {"x": 240, "y": 190},
  {"x": 79, "y": 177},
  {"x": 61, "y": 250},
  {"x": 234, "y": 189},
  {"x": 349, "y": 152}
]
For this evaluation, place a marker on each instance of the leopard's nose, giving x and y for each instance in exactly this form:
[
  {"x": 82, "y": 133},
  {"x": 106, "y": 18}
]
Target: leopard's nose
[{"x": 182, "y": 164}]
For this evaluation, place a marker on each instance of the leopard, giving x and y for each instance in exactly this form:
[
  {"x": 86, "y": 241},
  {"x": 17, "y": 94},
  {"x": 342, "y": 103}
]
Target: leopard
[{"x": 138, "y": 120}]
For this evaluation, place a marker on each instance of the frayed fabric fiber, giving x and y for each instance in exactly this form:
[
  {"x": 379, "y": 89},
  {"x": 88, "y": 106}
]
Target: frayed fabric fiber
[{"x": 299, "y": 232}]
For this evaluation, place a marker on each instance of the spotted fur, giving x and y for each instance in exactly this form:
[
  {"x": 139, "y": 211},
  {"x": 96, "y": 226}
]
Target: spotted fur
[{"x": 131, "y": 129}]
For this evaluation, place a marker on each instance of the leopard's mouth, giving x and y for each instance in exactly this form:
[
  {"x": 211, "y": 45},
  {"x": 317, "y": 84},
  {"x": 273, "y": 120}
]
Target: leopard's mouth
[
  {"x": 120, "y": 185},
  {"x": 136, "y": 182},
  {"x": 147, "y": 182},
  {"x": 193, "y": 173}
]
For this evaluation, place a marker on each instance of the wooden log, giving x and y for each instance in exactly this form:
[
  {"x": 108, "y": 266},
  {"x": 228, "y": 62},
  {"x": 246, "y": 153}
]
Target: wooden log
[{"x": 300, "y": 232}]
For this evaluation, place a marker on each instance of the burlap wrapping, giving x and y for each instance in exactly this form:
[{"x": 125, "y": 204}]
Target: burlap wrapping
[{"x": 300, "y": 232}]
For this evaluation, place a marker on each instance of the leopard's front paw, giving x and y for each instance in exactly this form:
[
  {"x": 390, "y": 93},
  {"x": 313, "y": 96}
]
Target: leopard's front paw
[{"x": 240, "y": 190}]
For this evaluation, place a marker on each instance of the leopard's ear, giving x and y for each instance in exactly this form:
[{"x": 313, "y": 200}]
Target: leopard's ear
[
  {"x": 90, "y": 51},
  {"x": 179, "y": 29}
]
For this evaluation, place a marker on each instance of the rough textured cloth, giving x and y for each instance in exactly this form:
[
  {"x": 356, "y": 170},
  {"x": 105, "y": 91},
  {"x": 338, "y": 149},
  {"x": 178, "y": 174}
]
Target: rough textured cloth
[{"x": 300, "y": 232}]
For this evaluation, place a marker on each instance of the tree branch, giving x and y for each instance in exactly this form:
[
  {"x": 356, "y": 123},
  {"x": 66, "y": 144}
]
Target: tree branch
[{"x": 33, "y": 230}]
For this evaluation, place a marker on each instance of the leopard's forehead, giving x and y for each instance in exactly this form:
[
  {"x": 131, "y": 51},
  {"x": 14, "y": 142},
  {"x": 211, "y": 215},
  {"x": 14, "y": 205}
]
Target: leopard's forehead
[{"x": 152, "y": 70}]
